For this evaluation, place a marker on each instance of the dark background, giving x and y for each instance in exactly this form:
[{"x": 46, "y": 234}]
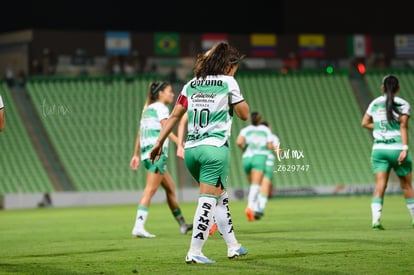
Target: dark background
[{"x": 282, "y": 17}]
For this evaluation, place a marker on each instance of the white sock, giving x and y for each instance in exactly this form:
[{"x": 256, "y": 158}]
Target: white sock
[
  {"x": 252, "y": 197},
  {"x": 376, "y": 208},
  {"x": 410, "y": 205},
  {"x": 224, "y": 222},
  {"x": 203, "y": 218},
  {"x": 261, "y": 202},
  {"x": 141, "y": 218}
]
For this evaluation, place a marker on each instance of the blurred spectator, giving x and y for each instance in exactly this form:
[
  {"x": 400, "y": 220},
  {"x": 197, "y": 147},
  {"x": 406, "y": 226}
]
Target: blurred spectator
[
  {"x": 21, "y": 79},
  {"x": 128, "y": 68},
  {"x": 291, "y": 63},
  {"x": 9, "y": 75},
  {"x": 37, "y": 67},
  {"x": 46, "y": 201}
]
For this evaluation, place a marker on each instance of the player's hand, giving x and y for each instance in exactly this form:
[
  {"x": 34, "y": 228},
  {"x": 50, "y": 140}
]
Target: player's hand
[
  {"x": 180, "y": 152},
  {"x": 155, "y": 152},
  {"x": 402, "y": 157},
  {"x": 134, "y": 163}
]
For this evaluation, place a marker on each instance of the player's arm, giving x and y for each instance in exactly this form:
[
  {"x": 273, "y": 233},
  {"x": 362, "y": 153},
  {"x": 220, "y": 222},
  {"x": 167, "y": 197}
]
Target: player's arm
[
  {"x": 242, "y": 110},
  {"x": 241, "y": 142},
  {"x": 404, "y": 136},
  {"x": 170, "y": 123},
  {"x": 180, "y": 135},
  {"x": 367, "y": 122},
  {"x": 135, "y": 160},
  {"x": 171, "y": 136}
]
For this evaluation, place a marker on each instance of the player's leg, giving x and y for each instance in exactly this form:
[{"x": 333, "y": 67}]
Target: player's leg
[
  {"x": 404, "y": 171},
  {"x": 381, "y": 167},
  {"x": 256, "y": 176},
  {"x": 377, "y": 200},
  {"x": 168, "y": 185},
  {"x": 263, "y": 196},
  {"x": 212, "y": 164},
  {"x": 153, "y": 181},
  {"x": 226, "y": 229}
]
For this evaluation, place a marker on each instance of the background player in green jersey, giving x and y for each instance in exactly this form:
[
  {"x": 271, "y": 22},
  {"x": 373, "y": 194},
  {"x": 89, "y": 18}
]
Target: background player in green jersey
[
  {"x": 387, "y": 116},
  {"x": 153, "y": 119},
  {"x": 255, "y": 140}
]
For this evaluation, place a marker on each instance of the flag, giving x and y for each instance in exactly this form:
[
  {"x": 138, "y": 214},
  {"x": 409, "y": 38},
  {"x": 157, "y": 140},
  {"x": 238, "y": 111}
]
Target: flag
[
  {"x": 209, "y": 39},
  {"x": 359, "y": 45},
  {"x": 263, "y": 45},
  {"x": 311, "y": 45},
  {"x": 167, "y": 43},
  {"x": 117, "y": 43},
  {"x": 404, "y": 45}
]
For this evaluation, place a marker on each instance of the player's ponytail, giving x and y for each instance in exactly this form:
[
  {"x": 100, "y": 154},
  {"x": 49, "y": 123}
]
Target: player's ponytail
[{"x": 391, "y": 86}]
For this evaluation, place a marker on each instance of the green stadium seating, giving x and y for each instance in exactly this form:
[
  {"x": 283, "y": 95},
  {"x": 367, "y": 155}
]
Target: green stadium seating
[
  {"x": 20, "y": 168},
  {"x": 92, "y": 124},
  {"x": 316, "y": 114}
]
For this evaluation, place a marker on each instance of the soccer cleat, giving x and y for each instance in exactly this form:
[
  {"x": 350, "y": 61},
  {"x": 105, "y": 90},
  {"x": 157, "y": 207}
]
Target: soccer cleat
[
  {"x": 185, "y": 228},
  {"x": 198, "y": 259},
  {"x": 235, "y": 253},
  {"x": 213, "y": 229},
  {"x": 377, "y": 226},
  {"x": 141, "y": 233},
  {"x": 258, "y": 215},
  {"x": 250, "y": 215}
]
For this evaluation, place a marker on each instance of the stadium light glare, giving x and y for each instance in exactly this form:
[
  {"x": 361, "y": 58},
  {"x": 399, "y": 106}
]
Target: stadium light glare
[
  {"x": 329, "y": 70},
  {"x": 361, "y": 68}
]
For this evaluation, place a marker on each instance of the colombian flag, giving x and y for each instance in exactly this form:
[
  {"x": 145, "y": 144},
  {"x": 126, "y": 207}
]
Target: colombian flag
[{"x": 263, "y": 45}]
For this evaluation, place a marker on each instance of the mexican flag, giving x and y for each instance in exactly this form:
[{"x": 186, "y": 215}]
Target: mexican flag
[{"x": 359, "y": 45}]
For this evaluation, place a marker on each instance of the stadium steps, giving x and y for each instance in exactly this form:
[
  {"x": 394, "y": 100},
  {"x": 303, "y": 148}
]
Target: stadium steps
[
  {"x": 21, "y": 169},
  {"x": 41, "y": 141}
]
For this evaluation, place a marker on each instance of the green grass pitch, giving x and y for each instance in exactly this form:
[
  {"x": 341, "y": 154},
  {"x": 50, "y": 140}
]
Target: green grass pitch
[{"x": 313, "y": 235}]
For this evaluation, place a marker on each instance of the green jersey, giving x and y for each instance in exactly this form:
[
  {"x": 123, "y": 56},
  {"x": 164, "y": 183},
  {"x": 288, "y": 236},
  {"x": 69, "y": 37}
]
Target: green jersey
[
  {"x": 386, "y": 135},
  {"x": 209, "y": 106},
  {"x": 150, "y": 128},
  {"x": 256, "y": 139}
]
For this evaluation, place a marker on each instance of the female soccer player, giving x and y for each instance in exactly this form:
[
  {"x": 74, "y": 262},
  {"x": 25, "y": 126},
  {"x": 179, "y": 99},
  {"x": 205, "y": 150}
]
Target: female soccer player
[
  {"x": 210, "y": 100},
  {"x": 387, "y": 115},
  {"x": 266, "y": 184},
  {"x": 255, "y": 140},
  {"x": 153, "y": 119}
]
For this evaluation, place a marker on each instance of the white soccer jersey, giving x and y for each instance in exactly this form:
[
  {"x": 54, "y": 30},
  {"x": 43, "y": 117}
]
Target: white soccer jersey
[
  {"x": 1, "y": 103},
  {"x": 208, "y": 104},
  {"x": 386, "y": 135},
  {"x": 150, "y": 128},
  {"x": 271, "y": 155},
  {"x": 256, "y": 139}
]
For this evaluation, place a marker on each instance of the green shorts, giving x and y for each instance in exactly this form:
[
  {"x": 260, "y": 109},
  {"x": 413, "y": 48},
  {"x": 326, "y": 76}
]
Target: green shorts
[
  {"x": 256, "y": 162},
  {"x": 208, "y": 164},
  {"x": 158, "y": 166},
  {"x": 385, "y": 160}
]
